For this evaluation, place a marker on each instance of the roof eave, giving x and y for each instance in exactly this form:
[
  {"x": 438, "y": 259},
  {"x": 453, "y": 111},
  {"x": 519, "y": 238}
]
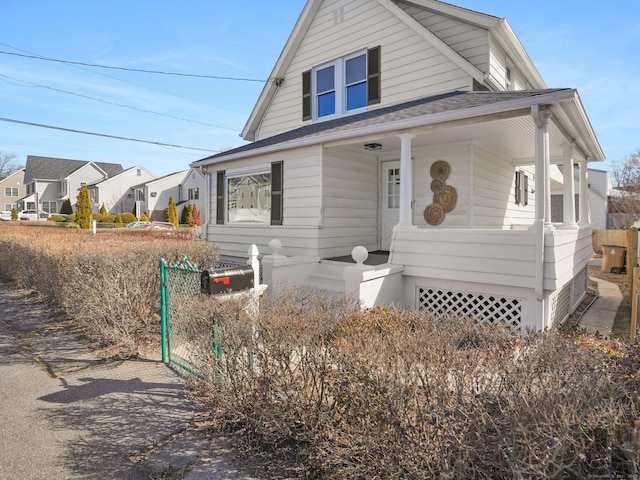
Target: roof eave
[
  {"x": 289, "y": 50},
  {"x": 404, "y": 124}
]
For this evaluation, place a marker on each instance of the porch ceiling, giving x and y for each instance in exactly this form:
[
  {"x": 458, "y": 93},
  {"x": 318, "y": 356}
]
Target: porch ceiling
[{"x": 512, "y": 138}]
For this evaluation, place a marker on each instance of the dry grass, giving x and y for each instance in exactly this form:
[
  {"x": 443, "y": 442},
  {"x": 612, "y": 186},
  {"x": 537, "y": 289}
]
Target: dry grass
[
  {"x": 108, "y": 283},
  {"x": 324, "y": 391}
]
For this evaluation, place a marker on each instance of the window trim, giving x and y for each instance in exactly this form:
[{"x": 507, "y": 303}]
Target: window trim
[
  {"x": 371, "y": 79},
  {"x": 521, "y": 188},
  {"x": 222, "y": 201}
]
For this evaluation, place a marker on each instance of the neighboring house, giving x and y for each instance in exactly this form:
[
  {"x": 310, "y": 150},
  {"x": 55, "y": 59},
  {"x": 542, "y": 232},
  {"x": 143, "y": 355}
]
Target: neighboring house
[
  {"x": 599, "y": 190},
  {"x": 420, "y": 129},
  {"x": 117, "y": 192},
  {"x": 192, "y": 192},
  {"x": 49, "y": 181},
  {"x": 12, "y": 189},
  {"x": 154, "y": 194}
]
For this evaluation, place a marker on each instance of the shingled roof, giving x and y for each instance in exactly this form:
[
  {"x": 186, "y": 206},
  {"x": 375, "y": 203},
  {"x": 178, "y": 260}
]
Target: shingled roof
[
  {"x": 47, "y": 168},
  {"x": 447, "y": 102}
]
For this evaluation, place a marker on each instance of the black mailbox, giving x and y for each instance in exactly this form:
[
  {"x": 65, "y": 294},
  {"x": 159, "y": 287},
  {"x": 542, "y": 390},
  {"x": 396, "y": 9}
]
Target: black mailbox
[{"x": 223, "y": 280}]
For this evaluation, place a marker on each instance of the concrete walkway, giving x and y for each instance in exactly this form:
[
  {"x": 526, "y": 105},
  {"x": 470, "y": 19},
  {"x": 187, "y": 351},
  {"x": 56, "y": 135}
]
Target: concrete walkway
[
  {"x": 600, "y": 316},
  {"x": 66, "y": 414}
]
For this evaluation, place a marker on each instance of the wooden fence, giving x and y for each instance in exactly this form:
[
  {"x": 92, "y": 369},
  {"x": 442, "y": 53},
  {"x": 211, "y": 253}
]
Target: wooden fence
[{"x": 629, "y": 239}]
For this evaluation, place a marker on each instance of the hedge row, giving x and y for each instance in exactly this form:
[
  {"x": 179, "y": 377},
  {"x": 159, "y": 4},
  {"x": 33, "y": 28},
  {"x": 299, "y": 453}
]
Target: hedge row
[
  {"x": 106, "y": 283},
  {"x": 323, "y": 391}
]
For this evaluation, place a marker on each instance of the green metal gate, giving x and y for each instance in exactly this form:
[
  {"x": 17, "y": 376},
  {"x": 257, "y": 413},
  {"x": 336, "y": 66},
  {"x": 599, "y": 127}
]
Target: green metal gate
[{"x": 179, "y": 281}]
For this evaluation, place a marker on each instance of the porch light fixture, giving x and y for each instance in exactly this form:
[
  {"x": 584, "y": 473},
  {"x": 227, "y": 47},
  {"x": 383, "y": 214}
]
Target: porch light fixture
[{"x": 372, "y": 146}]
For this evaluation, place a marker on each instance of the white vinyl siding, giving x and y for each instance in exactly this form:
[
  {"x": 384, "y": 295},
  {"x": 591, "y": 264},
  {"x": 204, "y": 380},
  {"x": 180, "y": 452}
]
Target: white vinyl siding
[
  {"x": 457, "y": 156},
  {"x": 493, "y": 194},
  {"x": 350, "y": 191},
  {"x": 410, "y": 68},
  {"x": 469, "y": 41},
  {"x": 499, "y": 62},
  {"x": 301, "y": 207}
]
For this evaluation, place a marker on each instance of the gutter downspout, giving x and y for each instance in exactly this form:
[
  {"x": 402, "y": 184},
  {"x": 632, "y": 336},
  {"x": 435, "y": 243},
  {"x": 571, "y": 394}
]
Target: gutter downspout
[{"x": 540, "y": 118}]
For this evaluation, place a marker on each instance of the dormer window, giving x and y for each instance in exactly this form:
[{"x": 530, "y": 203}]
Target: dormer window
[{"x": 343, "y": 86}]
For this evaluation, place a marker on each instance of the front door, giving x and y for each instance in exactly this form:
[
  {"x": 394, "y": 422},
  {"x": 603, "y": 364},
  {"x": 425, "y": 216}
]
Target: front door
[{"x": 390, "y": 201}]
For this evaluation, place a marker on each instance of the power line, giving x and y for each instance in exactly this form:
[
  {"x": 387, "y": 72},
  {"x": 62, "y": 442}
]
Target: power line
[
  {"x": 128, "y": 81},
  {"x": 116, "y": 104},
  {"x": 140, "y": 70},
  {"x": 83, "y": 132}
]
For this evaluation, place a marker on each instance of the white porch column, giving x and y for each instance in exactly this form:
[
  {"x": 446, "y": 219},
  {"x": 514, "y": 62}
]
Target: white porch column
[
  {"x": 583, "y": 211},
  {"x": 543, "y": 179},
  {"x": 569, "y": 197},
  {"x": 406, "y": 181}
]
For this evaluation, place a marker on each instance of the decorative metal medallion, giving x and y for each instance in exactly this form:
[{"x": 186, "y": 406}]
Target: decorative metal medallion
[{"x": 444, "y": 196}]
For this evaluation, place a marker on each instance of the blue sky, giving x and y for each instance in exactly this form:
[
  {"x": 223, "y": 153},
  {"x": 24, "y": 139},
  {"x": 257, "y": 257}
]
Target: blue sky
[{"x": 591, "y": 46}]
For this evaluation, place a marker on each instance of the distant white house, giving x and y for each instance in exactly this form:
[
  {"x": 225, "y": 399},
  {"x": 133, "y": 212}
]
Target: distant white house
[
  {"x": 116, "y": 192},
  {"x": 192, "y": 192},
  {"x": 50, "y": 181},
  {"x": 154, "y": 194},
  {"x": 12, "y": 189}
]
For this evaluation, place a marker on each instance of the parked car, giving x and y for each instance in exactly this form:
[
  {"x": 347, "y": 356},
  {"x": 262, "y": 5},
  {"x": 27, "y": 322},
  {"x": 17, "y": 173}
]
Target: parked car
[
  {"x": 138, "y": 225},
  {"x": 161, "y": 226},
  {"x": 5, "y": 216},
  {"x": 32, "y": 215}
]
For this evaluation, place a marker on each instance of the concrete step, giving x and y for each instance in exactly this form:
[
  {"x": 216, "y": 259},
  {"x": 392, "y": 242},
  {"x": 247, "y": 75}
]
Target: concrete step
[{"x": 327, "y": 276}]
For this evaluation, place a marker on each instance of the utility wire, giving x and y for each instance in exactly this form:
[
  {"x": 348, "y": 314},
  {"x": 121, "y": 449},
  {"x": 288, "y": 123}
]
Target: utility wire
[
  {"x": 157, "y": 72},
  {"x": 126, "y": 81},
  {"x": 83, "y": 132},
  {"x": 114, "y": 103}
]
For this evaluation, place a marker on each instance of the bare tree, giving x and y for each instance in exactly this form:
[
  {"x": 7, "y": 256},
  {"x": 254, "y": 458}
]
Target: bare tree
[
  {"x": 626, "y": 179},
  {"x": 7, "y": 165}
]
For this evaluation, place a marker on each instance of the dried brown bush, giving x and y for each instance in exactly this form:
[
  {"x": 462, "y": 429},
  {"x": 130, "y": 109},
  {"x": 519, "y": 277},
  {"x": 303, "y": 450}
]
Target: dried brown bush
[
  {"x": 108, "y": 284},
  {"x": 324, "y": 391}
]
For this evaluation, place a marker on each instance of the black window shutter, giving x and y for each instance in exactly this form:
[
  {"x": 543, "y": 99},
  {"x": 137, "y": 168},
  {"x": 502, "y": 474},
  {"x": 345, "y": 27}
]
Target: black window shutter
[
  {"x": 525, "y": 190},
  {"x": 276, "y": 193},
  {"x": 306, "y": 95},
  {"x": 220, "y": 198},
  {"x": 373, "y": 76},
  {"x": 518, "y": 188}
]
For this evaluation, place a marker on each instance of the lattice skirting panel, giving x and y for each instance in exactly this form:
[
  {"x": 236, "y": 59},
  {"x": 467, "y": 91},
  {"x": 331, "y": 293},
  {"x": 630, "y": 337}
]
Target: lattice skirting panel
[
  {"x": 482, "y": 308},
  {"x": 564, "y": 302}
]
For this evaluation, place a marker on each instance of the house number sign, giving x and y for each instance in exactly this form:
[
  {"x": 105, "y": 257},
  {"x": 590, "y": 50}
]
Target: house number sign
[{"x": 444, "y": 196}]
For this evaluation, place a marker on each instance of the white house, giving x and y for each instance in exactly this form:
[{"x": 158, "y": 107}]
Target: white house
[
  {"x": 192, "y": 190},
  {"x": 50, "y": 181},
  {"x": 12, "y": 189},
  {"x": 116, "y": 192},
  {"x": 154, "y": 194},
  {"x": 423, "y": 132}
]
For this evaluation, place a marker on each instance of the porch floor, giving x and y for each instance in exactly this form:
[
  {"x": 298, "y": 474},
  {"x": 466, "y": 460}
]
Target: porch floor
[{"x": 378, "y": 257}]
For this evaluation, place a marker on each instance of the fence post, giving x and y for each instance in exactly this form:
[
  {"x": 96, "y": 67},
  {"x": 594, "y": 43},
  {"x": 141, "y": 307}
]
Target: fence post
[
  {"x": 634, "y": 304},
  {"x": 164, "y": 308}
]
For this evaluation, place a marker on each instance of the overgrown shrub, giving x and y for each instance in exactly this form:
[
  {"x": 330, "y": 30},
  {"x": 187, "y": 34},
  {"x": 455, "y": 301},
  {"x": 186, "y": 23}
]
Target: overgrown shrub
[
  {"x": 108, "y": 284},
  {"x": 326, "y": 392},
  {"x": 128, "y": 217}
]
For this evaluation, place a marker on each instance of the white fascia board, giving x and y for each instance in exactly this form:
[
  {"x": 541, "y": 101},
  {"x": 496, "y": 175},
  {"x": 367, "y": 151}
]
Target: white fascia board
[
  {"x": 466, "y": 15},
  {"x": 282, "y": 64},
  {"x": 405, "y": 124},
  {"x": 573, "y": 114},
  {"x": 429, "y": 37}
]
